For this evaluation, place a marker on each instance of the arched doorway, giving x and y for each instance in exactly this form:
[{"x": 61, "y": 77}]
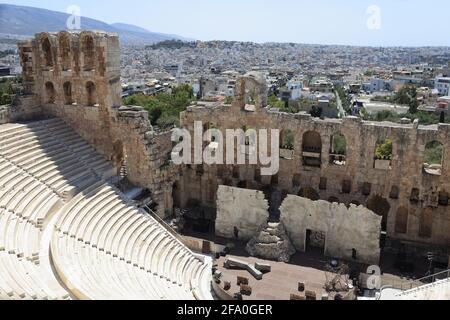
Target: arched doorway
[
  {"x": 91, "y": 94},
  {"x": 47, "y": 51},
  {"x": 381, "y": 207},
  {"x": 50, "y": 93},
  {"x": 87, "y": 48},
  {"x": 401, "y": 220},
  {"x": 67, "y": 87},
  {"x": 312, "y": 149}
]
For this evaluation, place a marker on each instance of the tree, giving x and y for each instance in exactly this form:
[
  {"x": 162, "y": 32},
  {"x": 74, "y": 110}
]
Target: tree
[
  {"x": 384, "y": 150},
  {"x": 274, "y": 102},
  {"x": 408, "y": 96},
  {"x": 164, "y": 109},
  {"x": 316, "y": 111}
]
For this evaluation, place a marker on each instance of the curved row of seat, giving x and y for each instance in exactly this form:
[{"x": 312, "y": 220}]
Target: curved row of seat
[
  {"x": 99, "y": 224},
  {"x": 51, "y": 152},
  {"x": 66, "y": 233}
]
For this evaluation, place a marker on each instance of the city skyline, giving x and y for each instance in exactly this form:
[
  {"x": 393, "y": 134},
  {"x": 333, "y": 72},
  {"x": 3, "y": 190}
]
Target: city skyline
[{"x": 356, "y": 23}]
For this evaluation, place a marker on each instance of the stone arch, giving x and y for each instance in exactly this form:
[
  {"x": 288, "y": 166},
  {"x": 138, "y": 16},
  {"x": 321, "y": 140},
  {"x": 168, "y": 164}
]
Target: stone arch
[
  {"x": 176, "y": 194},
  {"x": 426, "y": 223},
  {"x": 381, "y": 207},
  {"x": 118, "y": 156},
  {"x": 287, "y": 139},
  {"x": 91, "y": 94},
  {"x": 67, "y": 88},
  {"x": 88, "y": 50},
  {"x": 64, "y": 48},
  {"x": 401, "y": 220},
  {"x": 309, "y": 193},
  {"x": 251, "y": 91},
  {"x": 47, "y": 52},
  {"x": 50, "y": 93},
  {"x": 312, "y": 149},
  {"x": 433, "y": 158},
  {"x": 338, "y": 149},
  {"x": 383, "y": 154}
]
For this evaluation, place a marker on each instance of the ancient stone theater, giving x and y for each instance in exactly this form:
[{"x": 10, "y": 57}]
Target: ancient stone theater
[{"x": 87, "y": 185}]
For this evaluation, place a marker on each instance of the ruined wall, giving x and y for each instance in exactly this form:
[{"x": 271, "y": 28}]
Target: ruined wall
[
  {"x": 406, "y": 186},
  {"x": 245, "y": 210},
  {"x": 76, "y": 76},
  {"x": 345, "y": 229}
]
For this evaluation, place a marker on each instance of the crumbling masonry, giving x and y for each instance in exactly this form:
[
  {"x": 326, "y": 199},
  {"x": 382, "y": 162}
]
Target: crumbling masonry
[{"x": 76, "y": 76}]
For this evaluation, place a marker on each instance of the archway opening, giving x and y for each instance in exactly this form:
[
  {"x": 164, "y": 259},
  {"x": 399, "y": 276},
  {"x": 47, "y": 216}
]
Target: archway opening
[
  {"x": 47, "y": 50},
  {"x": 381, "y": 207},
  {"x": 68, "y": 93},
  {"x": 91, "y": 94},
  {"x": 383, "y": 154},
  {"x": 338, "y": 150},
  {"x": 401, "y": 220},
  {"x": 50, "y": 93},
  {"x": 88, "y": 53},
  {"x": 426, "y": 223},
  {"x": 433, "y": 158},
  {"x": 64, "y": 45},
  {"x": 312, "y": 149},
  {"x": 287, "y": 143}
]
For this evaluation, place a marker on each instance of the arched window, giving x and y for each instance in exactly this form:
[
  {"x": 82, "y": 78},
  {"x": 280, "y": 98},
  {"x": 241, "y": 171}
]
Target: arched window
[
  {"x": 47, "y": 50},
  {"x": 91, "y": 94},
  {"x": 312, "y": 149},
  {"x": 68, "y": 93},
  {"x": 381, "y": 207},
  {"x": 426, "y": 223},
  {"x": 433, "y": 158},
  {"x": 383, "y": 155},
  {"x": 401, "y": 220},
  {"x": 64, "y": 46},
  {"x": 88, "y": 53},
  {"x": 338, "y": 150},
  {"x": 50, "y": 93},
  {"x": 287, "y": 144}
]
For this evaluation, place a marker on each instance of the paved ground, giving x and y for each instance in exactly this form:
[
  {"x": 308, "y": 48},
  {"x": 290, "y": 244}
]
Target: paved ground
[{"x": 279, "y": 283}]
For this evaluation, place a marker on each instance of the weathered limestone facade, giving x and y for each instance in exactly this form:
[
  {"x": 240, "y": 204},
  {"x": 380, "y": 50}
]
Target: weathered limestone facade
[
  {"x": 76, "y": 76},
  {"x": 348, "y": 233},
  {"x": 240, "y": 212},
  {"x": 413, "y": 203}
]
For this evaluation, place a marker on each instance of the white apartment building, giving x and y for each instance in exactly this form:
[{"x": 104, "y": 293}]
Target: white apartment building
[{"x": 442, "y": 84}]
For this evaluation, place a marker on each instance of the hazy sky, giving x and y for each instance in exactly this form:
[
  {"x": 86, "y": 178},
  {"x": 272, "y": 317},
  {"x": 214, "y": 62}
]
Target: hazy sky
[{"x": 393, "y": 22}]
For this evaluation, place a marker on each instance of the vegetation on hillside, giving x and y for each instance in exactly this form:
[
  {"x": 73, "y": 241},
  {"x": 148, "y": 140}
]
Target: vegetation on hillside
[
  {"x": 345, "y": 98},
  {"x": 172, "y": 44},
  {"x": 164, "y": 108},
  {"x": 425, "y": 118},
  {"x": 405, "y": 96}
]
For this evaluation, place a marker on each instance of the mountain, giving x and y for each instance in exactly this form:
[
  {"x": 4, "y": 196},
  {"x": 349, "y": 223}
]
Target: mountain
[{"x": 27, "y": 21}]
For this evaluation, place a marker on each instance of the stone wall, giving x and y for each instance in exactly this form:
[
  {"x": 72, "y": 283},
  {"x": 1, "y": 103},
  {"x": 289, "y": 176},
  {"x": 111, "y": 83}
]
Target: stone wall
[
  {"x": 403, "y": 186},
  {"x": 345, "y": 229},
  {"x": 76, "y": 76},
  {"x": 241, "y": 210}
]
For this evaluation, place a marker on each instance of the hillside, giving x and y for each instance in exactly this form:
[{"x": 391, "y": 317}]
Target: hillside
[{"x": 26, "y": 21}]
